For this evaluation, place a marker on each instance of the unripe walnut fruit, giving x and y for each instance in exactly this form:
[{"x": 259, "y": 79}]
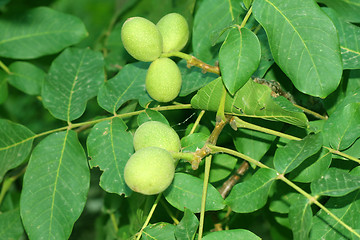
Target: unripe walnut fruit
[
  {"x": 175, "y": 32},
  {"x": 149, "y": 170},
  {"x": 156, "y": 134},
  {"x": 142, "y": 39},
  {"x": 163, "y": 80}
]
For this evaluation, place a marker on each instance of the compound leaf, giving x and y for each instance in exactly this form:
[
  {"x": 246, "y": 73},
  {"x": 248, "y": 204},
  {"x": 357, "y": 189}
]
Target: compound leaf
[
  {"x": 303, "y": 42},
  {"x": 74, "y": 78},
  {"x": 40, "y": 31},
  {"x": 55, "y": 187},
  {"x": 15, "y": 145}
]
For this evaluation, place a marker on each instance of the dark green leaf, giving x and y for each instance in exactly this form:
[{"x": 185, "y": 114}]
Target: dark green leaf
[
  {"x": 239, "y": 57},
  {"x": 235, "y": 234},
  {"x": 74, "y": 78},
  {"x": 109, "y": 147},
  {"x": 252, "y": 194},
  {"x": 312, "y": 168},
  {"x": 11, "y": 226},
  {"x": 193, "y": 141},
  {"x": 266, "y": 59},
  {"x": 345, "y": 208},
  {"x": 193, "y": 78},
  {"x": 295, "y": 152},
  {"x": 159, "y": 231},
  {"x": 335, "y": 182},
  {"x": 151, "y": 115},
  {"x": 55, "y": 187},
  {"x": 225, "y": 12},
  {"x": 347, "y": 9},
  {"x": 15, "y": 145},
  {"x": 40, "y": 31},
  {"x": 307, "y": 50},
  {"x": 26, "y": 77},
  {"x": 221, "y": 166},
  {"x": 282, "y": 203},
  {"x": 343, "y": 126},
  {"x": 349, "y": 36},
  {"x": 3, "y": 87},
  {"x": 252, "y": 100},
  {"x": 300, "y": 217},
  {"x": 128, "y": 84},
  {"x": 186, "y": 191},
  {"x": 187, "y": 227}
]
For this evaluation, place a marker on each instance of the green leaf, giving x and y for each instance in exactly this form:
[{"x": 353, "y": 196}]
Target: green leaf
[
  {"x": 55, "y": 187},
  {"x": 109, "y": 147},
  {"x": 151, "y": 115},
  {"x": 159, "y": 231},
  {"x": 254, "y": 143},
  {"x": 295, "y": 152},
  {"x": 239, "y": 57},
  {"x": 345, "y": 208},
  {"x": 26, "y": 77},
  {"x": 40, "y": 31},
  {"x": 335, "y": 182},
  {"x": 221, "y": 166},
  {"x": 128, "y": 84},
  {"x": 252, "y": 100},
  {"x": 3, "y": 87},
  {"x": 252, "y": 194},
  {"x": 281, "y": 201},
  {"x": 235, "y": 234},
  {"x": 193, "y": 78},
  {"x": 347, "y": 9},
  {"x": 11, "y": 226},
  {"x": 187, "y": 227},
  {"x": 312, "y": 168},
  {"x": 266, "y": 59},
  {"x": 307, "y": 50},
  {"x": 349, "y": 36},
  {"x": 186, "y": 191},
  {"x": 343, "y": 126},
  {"x": 225, "y": 12},
  {"x": 193, "y": 141},
  {"x": 300, "y": 217},
  {"x": 15, "y": 145},
  {"x": 74, "y": 78}
]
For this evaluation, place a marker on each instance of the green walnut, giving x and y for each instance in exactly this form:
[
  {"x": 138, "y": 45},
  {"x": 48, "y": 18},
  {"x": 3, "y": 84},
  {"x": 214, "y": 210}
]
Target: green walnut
[
  {"x": 156, "y": 134},
  {"x": 149, "y": 170},
  {"x": 142, "y": 39},
  {"x": 163, "y": 80},
  {"x": 175, "y": 32}
]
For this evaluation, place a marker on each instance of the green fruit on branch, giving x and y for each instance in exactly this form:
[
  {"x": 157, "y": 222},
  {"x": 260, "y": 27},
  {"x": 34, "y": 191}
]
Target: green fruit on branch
[
  {"x": 163, "y": 80},
  {"x": 175, "y": 32},
  {"x": 142, "y": 39},
  {"x": 149, "y": 170},
  {"x": 156, "y": 134}
]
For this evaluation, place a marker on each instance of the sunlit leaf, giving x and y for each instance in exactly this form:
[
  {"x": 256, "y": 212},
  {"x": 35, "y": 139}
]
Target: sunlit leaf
[
  {"x": 234, "y": 234},
  {"x": 38, "y": 32},
  {"x": 295, "y": 152},
  {"x": 187, "y": 227},
  {"x": 303, "y": 42},
  {"x": 151, "y": 115},
  {"x": 109, "y": 147},
  {"x": 128, "y": 84},
  {"x": 159, "y": 231},
  {"x": 186, "y": 192},
  {"x": 15, "y": 145},
  {"x": 55, "y": 187},
  {"x": 252, "y": 100},
  {"x": 26, "y": 77},
  {"x": 252, "y": 194},
  {"x": 74, "y": 78},
  {"x": 300, "y": 218},
  {"x": 239, "y": 58}
]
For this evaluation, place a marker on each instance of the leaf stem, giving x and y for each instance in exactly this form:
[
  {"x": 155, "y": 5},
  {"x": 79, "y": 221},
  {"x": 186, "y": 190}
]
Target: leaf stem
[
  {"x": 5, "y": 68},
  {"x": 149, "y": 216},
  {"x": 197, "y": 122},
  {"x": 314, "y": 200},
  {"x": 8, "y": 182},
  {"x": 220, "y": 114},
  {"x": 204, "y": 66},
  {"x": 308, "y": 111},
  {"x": 182, "y": 55},
  {"x": 167, "y": 209},
  {"x": 246, "y": 18},
  {"x": 337, "y": 152},
  {"x": 203, "y": 197}
]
